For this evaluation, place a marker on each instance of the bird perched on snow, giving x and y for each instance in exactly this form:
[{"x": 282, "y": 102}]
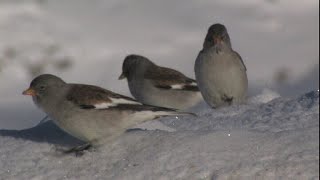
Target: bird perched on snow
[
  {"x": 90, "y": 113},
  {"x": 159, "y": 86},
  {"x": 220, "y": 71}
]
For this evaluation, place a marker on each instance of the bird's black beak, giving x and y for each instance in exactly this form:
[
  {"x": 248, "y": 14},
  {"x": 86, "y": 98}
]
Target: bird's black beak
[
  {"x": 29, "y": 92},
  {"x": 122, "y": 76}
]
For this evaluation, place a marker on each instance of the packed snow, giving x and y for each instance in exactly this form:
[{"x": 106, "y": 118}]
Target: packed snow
[{"x": 270, "y": 137}]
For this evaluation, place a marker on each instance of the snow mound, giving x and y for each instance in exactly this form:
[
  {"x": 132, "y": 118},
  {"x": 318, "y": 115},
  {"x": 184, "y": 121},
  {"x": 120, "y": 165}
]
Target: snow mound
[
  {"x": 270, "y": 140},
  {"x": 277, "y": 115}
]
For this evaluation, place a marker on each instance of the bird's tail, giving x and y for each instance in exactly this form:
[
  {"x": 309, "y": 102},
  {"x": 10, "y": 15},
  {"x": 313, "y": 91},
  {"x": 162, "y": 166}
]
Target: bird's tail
[
  {"x": 172, "y": 112},
  {"x": 156, "y": 112}
]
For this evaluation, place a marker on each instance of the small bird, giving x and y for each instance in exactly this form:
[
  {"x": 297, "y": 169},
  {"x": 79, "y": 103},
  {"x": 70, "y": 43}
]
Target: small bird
[
  {"x": 159, "y": 86},
  {"x": 90, "y": 113},
  {"x": 220, "y": 71}
]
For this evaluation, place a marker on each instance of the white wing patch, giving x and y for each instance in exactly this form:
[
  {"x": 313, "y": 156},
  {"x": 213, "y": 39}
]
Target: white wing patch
[
  {"x": 181, "y": 86},
  {"x": 123, "y": 101},
  {"x": 114, "y": 102},
  {"x": 177, "y": 86},
  {"x": 102, "y": 105}
]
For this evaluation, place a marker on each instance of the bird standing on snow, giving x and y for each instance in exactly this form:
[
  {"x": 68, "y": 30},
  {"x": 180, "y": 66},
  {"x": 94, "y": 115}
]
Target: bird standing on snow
[
  {"x": 90, "y": 113},
  {"x": 220, "y": 71},
  {"x": 159, "y": 86}
]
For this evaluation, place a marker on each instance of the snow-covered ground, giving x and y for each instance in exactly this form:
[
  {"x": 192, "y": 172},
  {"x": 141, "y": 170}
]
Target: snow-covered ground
[{"x": 271, "y": 137}]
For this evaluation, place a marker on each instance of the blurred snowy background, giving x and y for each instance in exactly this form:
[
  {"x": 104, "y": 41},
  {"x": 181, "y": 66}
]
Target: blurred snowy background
[{"x": 86, "y": 42}]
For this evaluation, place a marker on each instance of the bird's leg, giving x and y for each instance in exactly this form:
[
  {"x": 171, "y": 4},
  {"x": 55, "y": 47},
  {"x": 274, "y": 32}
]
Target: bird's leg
[
  {"x": 227, "y": 99},
  {"x": 218, "y": 50},
  {"x": 78, "y": 150}
]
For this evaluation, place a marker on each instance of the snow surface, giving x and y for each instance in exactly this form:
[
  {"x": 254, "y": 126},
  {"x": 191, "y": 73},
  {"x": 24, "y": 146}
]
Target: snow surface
[{"x": 271, "y": 137}]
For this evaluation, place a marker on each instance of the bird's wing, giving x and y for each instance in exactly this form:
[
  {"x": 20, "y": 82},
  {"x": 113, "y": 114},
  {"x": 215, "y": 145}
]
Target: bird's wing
[
  {"x": 238, "y": 56},
  {"x": 166, "y": 78},
  {"x": 93, "y": 97}
]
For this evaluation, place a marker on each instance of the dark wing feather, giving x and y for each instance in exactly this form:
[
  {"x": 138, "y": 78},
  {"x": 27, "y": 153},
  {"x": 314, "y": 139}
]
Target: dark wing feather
[
  {"x": 136, "y": 107},
  {"x": 87, "y": 96},
  {"x": 165, "y": 78}
]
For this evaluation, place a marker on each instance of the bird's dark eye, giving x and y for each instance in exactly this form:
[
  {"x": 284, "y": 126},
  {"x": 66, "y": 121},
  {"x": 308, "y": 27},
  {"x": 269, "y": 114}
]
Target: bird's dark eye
[{"x": 42, "y": 88}]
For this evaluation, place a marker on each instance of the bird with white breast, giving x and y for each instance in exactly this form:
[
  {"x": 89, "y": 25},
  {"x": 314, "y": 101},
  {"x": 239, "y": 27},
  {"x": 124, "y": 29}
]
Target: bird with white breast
[
  {"x": 90, "y": 113},
  {"x": 220, "y": 71}
]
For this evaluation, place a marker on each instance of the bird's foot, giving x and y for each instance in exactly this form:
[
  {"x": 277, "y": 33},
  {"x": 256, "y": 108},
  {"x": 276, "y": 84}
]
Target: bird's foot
[
  {"x": 78, "y": 150},
  {"x": 227, "y": 99}
]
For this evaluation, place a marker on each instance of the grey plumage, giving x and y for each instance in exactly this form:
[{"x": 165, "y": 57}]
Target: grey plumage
[
  {"x": 90, "y": 113},
  {"x": 220, "y": 71},
  {"x": 159, "y": 86}
]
